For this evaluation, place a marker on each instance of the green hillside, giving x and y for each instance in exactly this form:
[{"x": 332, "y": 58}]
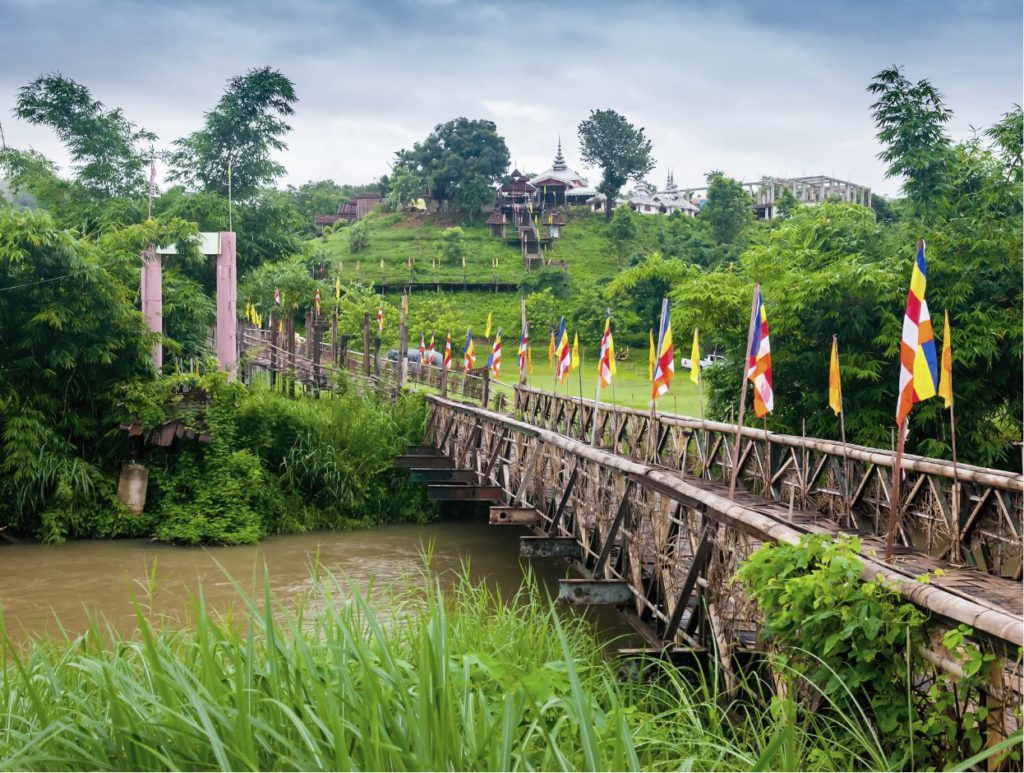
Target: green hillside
[{"x": 397, "y": 239}]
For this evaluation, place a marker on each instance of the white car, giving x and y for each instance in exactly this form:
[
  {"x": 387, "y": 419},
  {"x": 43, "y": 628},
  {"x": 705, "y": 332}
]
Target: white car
[{"x": 707, "y": 362}]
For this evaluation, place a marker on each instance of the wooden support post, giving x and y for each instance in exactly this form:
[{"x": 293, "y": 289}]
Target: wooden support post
[
  {"x": 444, "y": 380},
  {"x": 366, "y": 344},
  {"x": 376, "y": 355},
  {"x": 273, "y": 348},
  {"x": 334, "y": 339},
  {"x": 485, "y": 391},
  {"x": 403, "y": 342}
]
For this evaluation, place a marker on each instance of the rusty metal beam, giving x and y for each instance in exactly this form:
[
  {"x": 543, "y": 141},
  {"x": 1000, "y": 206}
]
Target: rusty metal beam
[
  {"x": 515, "y": 516},
  {"x": 615, "y": 593},
  {"x": 549, "y": 547}
]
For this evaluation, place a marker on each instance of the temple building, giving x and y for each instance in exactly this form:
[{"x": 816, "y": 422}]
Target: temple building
[{"x": 555, "y": 183}]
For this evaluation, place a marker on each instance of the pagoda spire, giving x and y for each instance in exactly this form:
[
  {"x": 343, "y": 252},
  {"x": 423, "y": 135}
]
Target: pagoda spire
[{"x": 559, "y": 164}]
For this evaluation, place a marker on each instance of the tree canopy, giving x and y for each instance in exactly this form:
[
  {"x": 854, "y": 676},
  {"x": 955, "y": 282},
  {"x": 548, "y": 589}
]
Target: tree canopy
[
  {"x": 107, "y": 149},
  {"x": 458, "y": 161},
  {"x": 619, "y": 149},
  {"x": 241, "y": 132}
]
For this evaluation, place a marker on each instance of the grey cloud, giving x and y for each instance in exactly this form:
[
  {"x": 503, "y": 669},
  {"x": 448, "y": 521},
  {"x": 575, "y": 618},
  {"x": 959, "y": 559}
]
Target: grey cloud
[{"x": 726, "y": 86}]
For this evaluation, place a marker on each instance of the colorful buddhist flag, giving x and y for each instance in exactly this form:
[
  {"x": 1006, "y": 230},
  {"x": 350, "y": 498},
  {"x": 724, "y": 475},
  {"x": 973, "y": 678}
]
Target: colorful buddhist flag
[
  {"x": 494, "y": 361},
  {"x": 606, "y": 362},
  {"x": 664, "y": 367},
  {"x": 835, "y": 388},
  {"x": 380, "y": 319},
  {"x": 759, "y": 361},
  {"x": 919, "y": 367},
  {"x": 523, "y": 350},
  {"x": 563, "y": 355},
  {"x": 946, "y": 376},
  {"x": 316, "y": 302},
  {"x": 651, "y": 356},
  {"x": 423, "y": 348},
  {"x": 487, "y": 330},
  {"x": 277, "y": 297},
  {"x": 448, "y": 352},
  {"x": 430, "y": 351},
  {"x": 467, "y": 353},
  {"x": 695, "y": 359}
]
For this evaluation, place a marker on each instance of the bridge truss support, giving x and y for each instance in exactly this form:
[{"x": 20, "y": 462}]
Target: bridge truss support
[{"x": 665, "y": 545}]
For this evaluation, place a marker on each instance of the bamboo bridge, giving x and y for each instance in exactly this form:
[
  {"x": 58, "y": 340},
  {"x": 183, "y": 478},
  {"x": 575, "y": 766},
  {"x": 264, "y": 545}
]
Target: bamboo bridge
[{"x": 639, "y": 504}]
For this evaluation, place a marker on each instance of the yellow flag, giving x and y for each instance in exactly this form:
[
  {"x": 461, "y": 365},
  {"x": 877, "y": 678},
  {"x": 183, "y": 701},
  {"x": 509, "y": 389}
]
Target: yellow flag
[
  {"x": 576, "y": 350},
  {"x": 529, "y": 360},
  {"x": 337, "y": 289},
  {"x": 946, "y": 371},
  {"x": 551, "y": 350},
  {"x": 695, "y": 359},
  {"x": 835, "y": 390},
  {"x": 487, "y": 330},
  {"x": 650, "y": 369}
]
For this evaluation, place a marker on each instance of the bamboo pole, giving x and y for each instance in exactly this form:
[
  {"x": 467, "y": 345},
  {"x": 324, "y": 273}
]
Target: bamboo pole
[
  {"x": 848, "y": 507},
  {"x": 743, "y": 397}
]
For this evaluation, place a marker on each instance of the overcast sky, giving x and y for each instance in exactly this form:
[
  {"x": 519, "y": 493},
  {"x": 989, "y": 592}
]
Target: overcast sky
[{"x": 752, "y": 88}]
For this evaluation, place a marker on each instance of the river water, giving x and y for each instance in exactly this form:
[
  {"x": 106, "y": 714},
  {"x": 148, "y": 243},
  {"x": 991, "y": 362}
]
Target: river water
[{"x": 83, "y": 580}]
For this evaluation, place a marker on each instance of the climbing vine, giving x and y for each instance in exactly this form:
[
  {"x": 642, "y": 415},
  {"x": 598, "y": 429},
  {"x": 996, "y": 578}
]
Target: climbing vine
[{"x": 860, "y": 646}]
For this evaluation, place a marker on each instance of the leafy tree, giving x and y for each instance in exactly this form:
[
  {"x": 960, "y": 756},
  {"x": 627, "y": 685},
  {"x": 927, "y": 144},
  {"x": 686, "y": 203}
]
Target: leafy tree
[
  {"x": 785, "y": 204},
  {"x": 1007, "y": 137},
  {"x": 728, "y": 207},
  {"x": 642, "y": 287},
  {"x": 543, "y": 310},
  {"x": 456, "y": 160},
  {"x": 473, "y": 193},
  {"x": 403, "y": 188},
  {"x": 622, "y": 230},
  {"x": 623, "y": 153},
  {"x": 317, "y": 198},
  {"x": 884, "y": 210},
  {"x": 452, "y": 247},
  {"x": 911, "y": 118},
  {"x": 242, "y": 131},
  {"x": 554, "y": 279},
  {"x": 358, "y": 236},
  {"x": 104, "y": 146},
  {"x": 70, "y": 338}
]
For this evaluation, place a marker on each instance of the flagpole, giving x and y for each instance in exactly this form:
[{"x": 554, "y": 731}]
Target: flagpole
[
  {"x": 894, "y": 509},
  {"x": 653, "y": 445},
  {"x": 743, "y": 395},
  {"x": 956, "y": 555},
  {"x": 579, "y": 374}
]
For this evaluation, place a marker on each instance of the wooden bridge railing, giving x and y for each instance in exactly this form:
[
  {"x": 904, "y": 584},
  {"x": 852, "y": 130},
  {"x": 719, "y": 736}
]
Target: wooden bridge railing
[
  {"x": 966, "y": 514},
  {"x": 677, "y": 541}
]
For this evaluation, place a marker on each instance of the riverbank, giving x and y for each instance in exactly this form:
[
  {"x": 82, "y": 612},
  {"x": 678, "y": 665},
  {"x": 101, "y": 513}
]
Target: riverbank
[{"x": 468, "y": 680}]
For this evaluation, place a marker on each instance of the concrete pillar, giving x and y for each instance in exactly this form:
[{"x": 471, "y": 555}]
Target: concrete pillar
[
  {"x": 153, "y": 299},
  {"x": 227, "y": 296}
]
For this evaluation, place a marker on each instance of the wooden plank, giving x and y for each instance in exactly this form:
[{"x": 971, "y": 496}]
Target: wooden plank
[
  {"x": 443, "y": 475},
  {"x": 461, "y": 493},
  {"x": 424, "y": 462}
]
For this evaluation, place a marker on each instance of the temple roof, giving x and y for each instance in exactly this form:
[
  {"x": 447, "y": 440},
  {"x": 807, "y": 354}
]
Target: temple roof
[{"x": 559, "y": 173}]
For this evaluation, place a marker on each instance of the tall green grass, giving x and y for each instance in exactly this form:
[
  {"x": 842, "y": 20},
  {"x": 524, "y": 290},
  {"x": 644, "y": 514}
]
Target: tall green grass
[{"x": 458, "y": 680}]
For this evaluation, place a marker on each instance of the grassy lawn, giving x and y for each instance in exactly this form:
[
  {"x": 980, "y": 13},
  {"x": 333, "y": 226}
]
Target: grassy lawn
[{"x": 632, "y": 387}]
